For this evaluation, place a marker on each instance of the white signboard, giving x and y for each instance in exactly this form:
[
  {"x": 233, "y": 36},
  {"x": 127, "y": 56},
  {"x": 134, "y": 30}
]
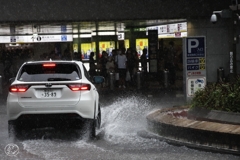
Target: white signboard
[
  {"x": 23, "y": 29},
  {"x": 36, "y": 38},
  {"x": 4, "y": 29},
  {"x": 195, "y": 84},
  {"x": 174, "y": 30},
  {"x": 162, "y": 29},
  {"x": 42, "y": 29},
  {"x": 170, "y": 28},
  {"x": 5, "y": 39},
  {"x": 51, "y": 38}
]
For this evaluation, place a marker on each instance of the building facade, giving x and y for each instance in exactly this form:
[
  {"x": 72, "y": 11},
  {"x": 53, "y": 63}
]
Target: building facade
[{"x": 25, "y": 18}]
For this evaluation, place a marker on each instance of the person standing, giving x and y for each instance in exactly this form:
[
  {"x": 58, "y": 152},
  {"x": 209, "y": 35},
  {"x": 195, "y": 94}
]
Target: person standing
[
  {"x": 121, "y": 61},
  {"x": 136, "y": 67},
  {"x": 92, "y": 66},
  {"x": 110, "y": 66},
  {"x": 131, "y": 64},
  {"x": 103, "y": 62},
  {"x": 144, "y": 61}
]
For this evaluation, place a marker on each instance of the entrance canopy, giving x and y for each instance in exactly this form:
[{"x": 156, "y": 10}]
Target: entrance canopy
[{"x": 65, "y": 32}]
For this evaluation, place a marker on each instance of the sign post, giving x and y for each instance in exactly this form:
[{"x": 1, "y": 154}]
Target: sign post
[
  {"x": 153, "y": 50},
  {"x": 194, "y": 65}
]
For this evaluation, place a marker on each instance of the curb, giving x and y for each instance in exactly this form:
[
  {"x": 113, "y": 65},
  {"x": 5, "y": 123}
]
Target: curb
[
  {"x": 203, "y": 114},
  {"x": 151, "y": 135},
  {"x": 192, "y": 133}
]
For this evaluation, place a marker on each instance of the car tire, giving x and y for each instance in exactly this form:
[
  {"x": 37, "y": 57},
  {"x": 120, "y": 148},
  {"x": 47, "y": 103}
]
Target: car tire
[
  {"x": 12, "y": 130},
  {"x": 92, "y": 129},
  {"x": 95, "y": 124},
  {"x": 98, "y": 119}
]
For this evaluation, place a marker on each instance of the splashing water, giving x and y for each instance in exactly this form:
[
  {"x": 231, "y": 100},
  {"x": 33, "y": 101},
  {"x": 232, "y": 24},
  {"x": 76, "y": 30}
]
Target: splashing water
[{"x": 124, "y": 118}]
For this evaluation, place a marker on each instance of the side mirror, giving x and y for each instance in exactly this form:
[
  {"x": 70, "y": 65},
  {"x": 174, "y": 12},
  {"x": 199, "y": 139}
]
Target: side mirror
[{"x": 98, "y": 79}]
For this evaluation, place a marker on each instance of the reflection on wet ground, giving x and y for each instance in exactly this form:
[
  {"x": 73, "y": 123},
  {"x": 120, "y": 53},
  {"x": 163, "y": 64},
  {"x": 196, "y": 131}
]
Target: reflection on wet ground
[
  {"x": 50, "y": 134},
  {"x": 123, "y": 116}
]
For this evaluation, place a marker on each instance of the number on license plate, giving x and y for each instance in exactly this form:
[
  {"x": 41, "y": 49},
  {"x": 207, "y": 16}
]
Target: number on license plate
[{"x": 49, "y": 94}]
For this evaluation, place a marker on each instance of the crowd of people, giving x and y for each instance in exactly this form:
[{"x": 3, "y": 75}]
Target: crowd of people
[{"x": 124, "y": 63}]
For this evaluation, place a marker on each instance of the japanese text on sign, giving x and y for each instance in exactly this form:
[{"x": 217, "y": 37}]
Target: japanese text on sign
[
  {"x": 192, "y": 67},
  {"x": 194, "y": 84},
  {"x": 193, "y": 61},
  {"x": 195, "y": 47}
]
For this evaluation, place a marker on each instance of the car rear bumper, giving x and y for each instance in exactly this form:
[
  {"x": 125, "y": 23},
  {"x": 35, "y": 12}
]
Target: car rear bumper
[
  {"x": 49, "y": 120},
  {"x": 85, "y": 110}
]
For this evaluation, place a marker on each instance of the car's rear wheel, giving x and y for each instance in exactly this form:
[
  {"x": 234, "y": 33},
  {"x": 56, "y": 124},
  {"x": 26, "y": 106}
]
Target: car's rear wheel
[
  {"x": 99, "y": 117},
  {"x": 92, "y": 129},
  {"x": 11, "y": 130},
  {"x": 94, "y": 125}
]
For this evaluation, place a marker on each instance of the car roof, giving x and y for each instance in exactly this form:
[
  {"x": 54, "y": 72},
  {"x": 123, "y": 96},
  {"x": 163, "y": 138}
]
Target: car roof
[{"x": 57, "y": 61}]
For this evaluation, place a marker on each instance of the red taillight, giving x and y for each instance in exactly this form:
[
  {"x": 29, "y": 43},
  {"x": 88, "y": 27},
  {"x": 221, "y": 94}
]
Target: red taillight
[
  {"x": 79, "y": 87},
  {"x": 49, "y": 65},
  {"x": 18, "y": 88}
]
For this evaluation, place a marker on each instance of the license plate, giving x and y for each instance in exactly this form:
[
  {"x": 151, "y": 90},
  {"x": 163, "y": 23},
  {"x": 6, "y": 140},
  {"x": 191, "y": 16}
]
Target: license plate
[{"x": 49, "y": 93}]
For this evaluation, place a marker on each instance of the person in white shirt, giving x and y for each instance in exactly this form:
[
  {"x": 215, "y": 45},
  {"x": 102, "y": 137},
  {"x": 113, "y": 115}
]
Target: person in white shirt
[
  {"x": 121, "y": 61},
  {"x": 110, "y": 64}
]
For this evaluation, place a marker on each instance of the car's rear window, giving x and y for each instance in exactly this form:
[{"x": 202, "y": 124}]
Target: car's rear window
[{"x": 58, "y": 72}]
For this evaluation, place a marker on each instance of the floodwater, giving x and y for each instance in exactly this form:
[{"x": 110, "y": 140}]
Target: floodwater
[{"x": 118, "y": 138}]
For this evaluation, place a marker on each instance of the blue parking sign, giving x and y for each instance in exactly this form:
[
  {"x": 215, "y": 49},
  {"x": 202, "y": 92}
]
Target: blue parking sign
[{"x": 196, "y": 47}]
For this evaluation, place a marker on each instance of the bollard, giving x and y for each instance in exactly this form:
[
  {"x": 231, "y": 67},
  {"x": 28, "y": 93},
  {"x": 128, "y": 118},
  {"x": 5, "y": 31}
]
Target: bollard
[
  {"x": 1, "y": 89},
  {"x": 166, "y": 78},
  {"x": 138, "y": 80},
  {"x": 111, "y": 80},
  {"x": 220, "y": 74}
]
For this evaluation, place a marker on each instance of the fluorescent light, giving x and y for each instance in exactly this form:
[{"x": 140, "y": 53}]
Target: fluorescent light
[
  {"x": 75, "y": 30},
  {"x": 85, "y": 35},
  {"x": 75, "y": 36},
  {"x": 106, "y": 33}
]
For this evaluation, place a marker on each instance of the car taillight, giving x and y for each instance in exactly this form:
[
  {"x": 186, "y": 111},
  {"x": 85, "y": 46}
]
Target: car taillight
[
  {"x": 79, "y": 87},
  {"x": 49, "y": 65},
  {"x": 18, "y": 88}
]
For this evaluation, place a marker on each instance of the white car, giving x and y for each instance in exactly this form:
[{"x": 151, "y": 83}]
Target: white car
[{"x": 46, "y": 93}]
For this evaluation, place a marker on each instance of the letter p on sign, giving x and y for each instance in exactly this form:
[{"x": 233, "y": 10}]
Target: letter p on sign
[{"x": 192, "y": 43}]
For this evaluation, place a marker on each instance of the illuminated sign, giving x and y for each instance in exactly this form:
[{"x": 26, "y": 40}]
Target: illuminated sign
[
  {"x": 170, "y": 30},
  {"x": 36, "y": 38}
]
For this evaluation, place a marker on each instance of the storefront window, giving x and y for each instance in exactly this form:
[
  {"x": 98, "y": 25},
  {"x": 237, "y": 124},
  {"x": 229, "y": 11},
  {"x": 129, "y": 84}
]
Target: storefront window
[{"x": 140, "y": 45}]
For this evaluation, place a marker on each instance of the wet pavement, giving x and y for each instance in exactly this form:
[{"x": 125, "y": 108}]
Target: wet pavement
[
  {"x": 125, "y": 131},
  {"x": 167, "y": 123}
]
